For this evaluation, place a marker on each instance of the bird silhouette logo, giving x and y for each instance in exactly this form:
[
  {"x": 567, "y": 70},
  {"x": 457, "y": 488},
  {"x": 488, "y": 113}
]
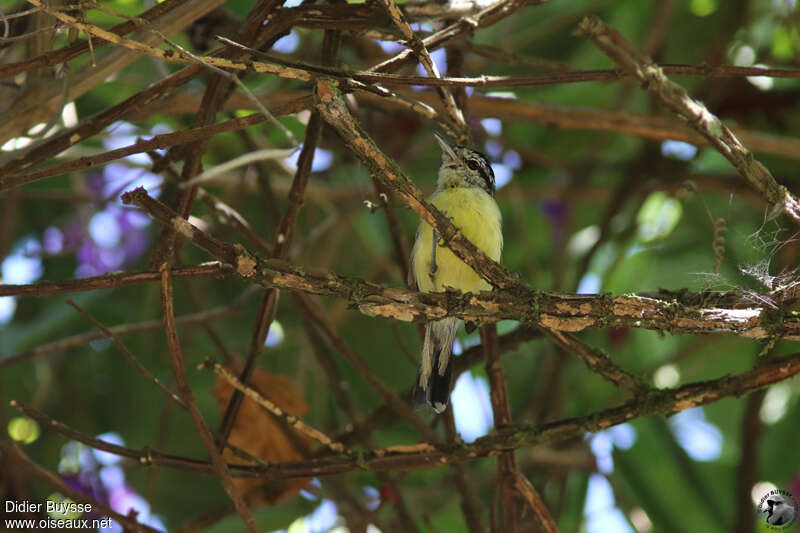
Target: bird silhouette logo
[{"x": 779, "y": 509}]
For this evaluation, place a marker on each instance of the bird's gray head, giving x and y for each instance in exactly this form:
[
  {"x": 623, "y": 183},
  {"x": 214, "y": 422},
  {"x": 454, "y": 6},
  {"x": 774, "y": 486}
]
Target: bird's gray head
[{"x": 464, "y": 167}]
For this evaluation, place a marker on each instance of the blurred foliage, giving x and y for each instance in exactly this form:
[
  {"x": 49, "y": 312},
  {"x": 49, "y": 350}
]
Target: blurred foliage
[{"x": 660, "y": 236}]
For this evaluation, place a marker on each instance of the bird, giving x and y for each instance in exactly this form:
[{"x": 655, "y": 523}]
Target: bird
[{"x": 465, "y": 195}]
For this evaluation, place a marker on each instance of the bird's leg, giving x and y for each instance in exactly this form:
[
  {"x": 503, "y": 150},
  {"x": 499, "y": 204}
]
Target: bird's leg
[
  {"x": 434, "y": 268},
  {"x": 434, "y": 244}
]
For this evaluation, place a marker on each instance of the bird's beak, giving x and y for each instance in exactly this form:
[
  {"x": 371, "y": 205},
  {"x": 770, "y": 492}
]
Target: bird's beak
[{"x": 445, "y": 147}]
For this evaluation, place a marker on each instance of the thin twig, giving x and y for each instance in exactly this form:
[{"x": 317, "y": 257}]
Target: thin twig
[
  {"x": 270, "y": 407},
  {"x": 128, "y": 355},
  {"x": 176, "y": 357},
  {"x": 534, "y": 499},
  {"x": 74, "y": 50},
  {"x": 242, "y": 160},
  {"x": 84, "y": 338},
  {"x": 598, "y": 362},
  {"x": 470, "y": 506},
  {"x": 112, "y": 280},
  {"x": 56, "y": 482},
  {"x": 164, "y": 140},
  {"x": 416, "y": 44},
  {"x": 401, "y": 407},
  {"x": 235, "y": 219}
]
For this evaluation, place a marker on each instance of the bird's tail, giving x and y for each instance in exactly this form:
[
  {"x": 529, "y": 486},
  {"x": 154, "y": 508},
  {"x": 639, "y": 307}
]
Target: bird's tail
[{"x": 435, "y": 369}]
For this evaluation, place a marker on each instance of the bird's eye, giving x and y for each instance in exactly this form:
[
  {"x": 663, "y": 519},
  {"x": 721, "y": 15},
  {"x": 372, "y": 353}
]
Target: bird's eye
[{"x": 472, "y": 164}]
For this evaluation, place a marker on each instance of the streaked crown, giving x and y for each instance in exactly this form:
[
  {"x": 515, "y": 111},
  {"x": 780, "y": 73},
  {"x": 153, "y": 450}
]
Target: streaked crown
[{"x": 464, "y": 167}]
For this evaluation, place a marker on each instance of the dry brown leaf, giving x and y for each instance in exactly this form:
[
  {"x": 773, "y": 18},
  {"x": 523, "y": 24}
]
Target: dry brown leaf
[{"x": 263, "y": 435}]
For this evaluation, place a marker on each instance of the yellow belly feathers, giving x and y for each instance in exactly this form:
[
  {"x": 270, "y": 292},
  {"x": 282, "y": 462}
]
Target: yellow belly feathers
[{"x": 475, "y": 213}]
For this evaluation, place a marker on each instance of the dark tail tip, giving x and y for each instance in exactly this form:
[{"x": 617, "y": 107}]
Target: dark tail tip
[
  {"x": 435, "y": 393},
  {"x": 439, "y": 387}
]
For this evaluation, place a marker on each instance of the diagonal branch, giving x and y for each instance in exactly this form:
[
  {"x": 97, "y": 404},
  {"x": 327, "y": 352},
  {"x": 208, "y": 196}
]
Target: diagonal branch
[
  {"x": 270, "y": 407},
  {"x": 676, "y": 99},
  {"x": 416, "y": 44},
  {"x": 128, "y": 355},
  {"x": 333, "y": 109},
  {"x": 13, "y": 451},
  {"x": 280, "y": 249},
  {"x": 186, "y": 394},
  {"x": 597, "y": 361}
]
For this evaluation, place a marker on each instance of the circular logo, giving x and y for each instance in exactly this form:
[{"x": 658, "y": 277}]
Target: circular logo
[{"x": 779, "y": 509}]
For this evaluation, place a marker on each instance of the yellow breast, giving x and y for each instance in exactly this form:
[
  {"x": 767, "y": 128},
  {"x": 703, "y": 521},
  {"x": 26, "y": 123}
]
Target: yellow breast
[{"x": 476, "y": 214}]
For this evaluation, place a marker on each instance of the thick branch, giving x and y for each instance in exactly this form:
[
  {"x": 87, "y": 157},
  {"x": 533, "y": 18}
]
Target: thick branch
[
  {"x": 676, "y": 313},
  {"x": 423, "y": 456}
]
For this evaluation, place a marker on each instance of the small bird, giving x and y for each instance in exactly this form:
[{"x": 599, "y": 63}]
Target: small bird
[{"x": 464, "y": 194}]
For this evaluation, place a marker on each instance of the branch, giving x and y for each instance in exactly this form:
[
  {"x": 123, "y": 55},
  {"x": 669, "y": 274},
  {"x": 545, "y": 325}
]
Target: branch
[
  {"x": 185, "y": 392},
  {"x": 534, "y": 499},
  {"x": 676, "y": 99},
  {"x": 112, "y": 281},
  {"x": 418, "y": 47},
  {"x": 333, "y": 109},
  {"x": 38, "y": 102},
  {"x": 402, "y": 407},
  {"x": 663, "y": 401},
  {"x": 56, "y": 57},
  {"x": 127, "y": 353},
  {"x": 501, "y": 412},
  {"x": 487, "y": 17},
  {"x": 55, "y": 481},
  {"x": 676, "y": 313},
  {"x": 597, "y": 362},
  {"x": 272, "y": 408},
  {"x": 83, "y": 338}
]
